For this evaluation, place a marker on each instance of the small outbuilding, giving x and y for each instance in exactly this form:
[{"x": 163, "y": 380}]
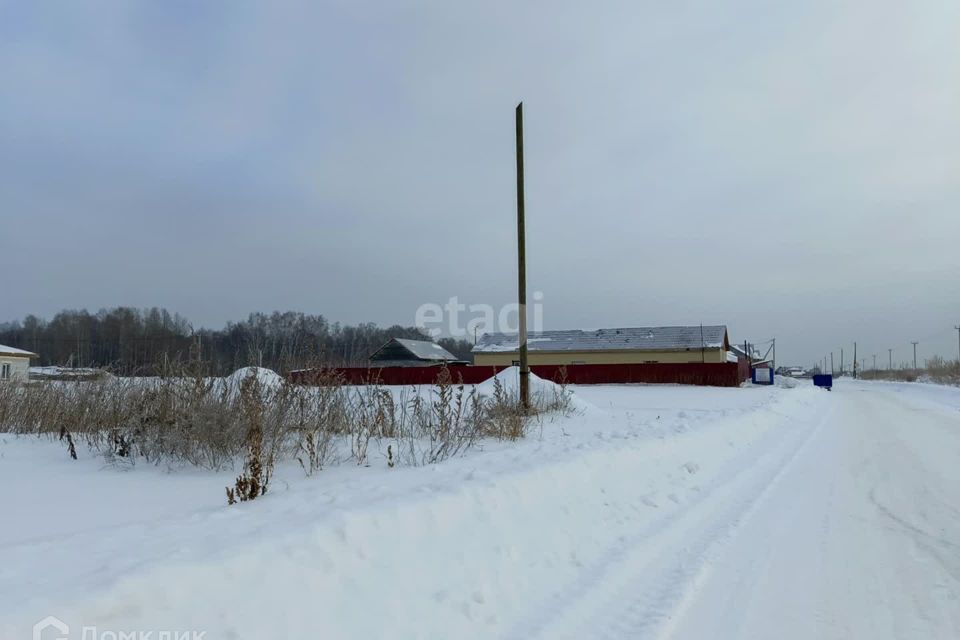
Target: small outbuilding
[
  {"x": 15, "y": 363},
  {"x": 762, "y": 372},
  {"x": 403, "y": 352}
]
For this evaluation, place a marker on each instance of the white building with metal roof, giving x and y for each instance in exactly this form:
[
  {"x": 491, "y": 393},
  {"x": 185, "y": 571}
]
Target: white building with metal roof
[
  {"x": 15, "y": 363},
  {"x": 632, "y": 345}
]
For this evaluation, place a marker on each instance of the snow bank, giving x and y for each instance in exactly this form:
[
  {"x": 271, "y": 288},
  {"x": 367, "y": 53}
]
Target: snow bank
[
  {"x": 268, "y": 378},
  {"x": 786, "y": 382},
  {"x": 509, "y": 380},
  {"x": 269, "y": 381},
  {"x": 541, "y": 391}
]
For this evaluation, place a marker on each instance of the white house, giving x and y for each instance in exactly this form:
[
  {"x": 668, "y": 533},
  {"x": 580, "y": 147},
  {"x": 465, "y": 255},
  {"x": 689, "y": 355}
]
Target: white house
[{"x": 14, "y": 363}]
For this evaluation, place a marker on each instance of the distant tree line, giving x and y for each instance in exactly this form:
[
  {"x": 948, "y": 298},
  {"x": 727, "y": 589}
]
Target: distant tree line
[{"x": 133, "y": 341}]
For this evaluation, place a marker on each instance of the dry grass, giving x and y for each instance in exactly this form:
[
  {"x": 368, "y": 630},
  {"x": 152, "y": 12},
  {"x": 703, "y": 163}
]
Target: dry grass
[
  {"x": 937, "y": 370},
  {"x": 184, "y": 418}
]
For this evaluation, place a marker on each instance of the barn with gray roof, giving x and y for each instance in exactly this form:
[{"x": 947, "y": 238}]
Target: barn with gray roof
[{"x": 403, "y": 352}]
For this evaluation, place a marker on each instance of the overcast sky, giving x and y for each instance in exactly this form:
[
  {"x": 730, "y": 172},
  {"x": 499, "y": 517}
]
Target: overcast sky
[{"x": 787, "y": 169}]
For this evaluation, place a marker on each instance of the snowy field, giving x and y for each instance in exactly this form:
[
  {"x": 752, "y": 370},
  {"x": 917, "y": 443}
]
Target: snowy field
[{"x": 655, "y": 512}]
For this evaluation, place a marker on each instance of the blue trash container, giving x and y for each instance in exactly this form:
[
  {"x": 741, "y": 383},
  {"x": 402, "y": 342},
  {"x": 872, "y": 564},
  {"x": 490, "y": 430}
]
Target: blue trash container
[{"x": 823, "y": 380}]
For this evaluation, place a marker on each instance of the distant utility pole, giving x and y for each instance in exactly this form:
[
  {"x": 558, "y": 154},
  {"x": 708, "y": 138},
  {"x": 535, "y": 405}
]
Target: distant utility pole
[
  {"x": 774, "y": 354},
  {"x": 841, "y": 360},
  {"x": 874, "y": 362},
  {"x": 831, "y": 363},
  {"x": 890, "y": 356},
  {"x": 914, "y": 343},
  {"x": 522, "y": 264},
  {"x": 854, "y": 360},
  {"x": 958, "y": 342},
  {"x": 703, "y": 355}
]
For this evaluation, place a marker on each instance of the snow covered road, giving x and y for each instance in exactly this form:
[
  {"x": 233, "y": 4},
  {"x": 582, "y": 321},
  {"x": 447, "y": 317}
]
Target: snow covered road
[
  {"x": 849, "y": 528},
  {"x": 663, "y": 512},
  {"x": 859, "y": 537}
]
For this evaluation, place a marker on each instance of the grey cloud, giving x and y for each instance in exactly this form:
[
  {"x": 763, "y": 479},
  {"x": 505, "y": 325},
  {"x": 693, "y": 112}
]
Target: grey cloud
[{"x": 788, "y": 170}]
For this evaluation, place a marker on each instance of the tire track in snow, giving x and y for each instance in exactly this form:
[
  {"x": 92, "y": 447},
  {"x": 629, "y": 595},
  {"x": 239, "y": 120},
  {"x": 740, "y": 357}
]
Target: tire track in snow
[
  {"x": 641, "y": 586},
  {"x": 691, "y": 570}
]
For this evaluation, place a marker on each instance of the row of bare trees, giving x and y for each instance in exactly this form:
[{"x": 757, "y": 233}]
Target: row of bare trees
[{"x": 133, "y": 341}]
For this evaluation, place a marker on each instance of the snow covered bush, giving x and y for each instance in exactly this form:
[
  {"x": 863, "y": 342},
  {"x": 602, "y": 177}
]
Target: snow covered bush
[
  {"x": 258, "y": 465},
  {"x": 448, "y": 420},
  {"x": 317, "y": 418},
  {"x": 506, "y": 420}
]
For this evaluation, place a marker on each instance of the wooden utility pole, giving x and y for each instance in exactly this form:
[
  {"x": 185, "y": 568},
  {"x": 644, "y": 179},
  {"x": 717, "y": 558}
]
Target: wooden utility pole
[
  {"x": 841, "y": 360},
  {"x": 831, "y": 363},
  {"x": 854, "y": 360},
  {"x": 890, "y": 356},
  {"x": 522, "y": 267},
  {"x": 914, "y": 343},
  {"x": 958, "y": 342}
]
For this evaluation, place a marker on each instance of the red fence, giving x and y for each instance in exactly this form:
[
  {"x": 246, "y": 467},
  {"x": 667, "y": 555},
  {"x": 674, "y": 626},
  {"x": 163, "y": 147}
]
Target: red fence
[
  {"x": 725, "y": 374},
  {"x": 393, "y": 375},
  {"x": 703, "y": 374}
]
